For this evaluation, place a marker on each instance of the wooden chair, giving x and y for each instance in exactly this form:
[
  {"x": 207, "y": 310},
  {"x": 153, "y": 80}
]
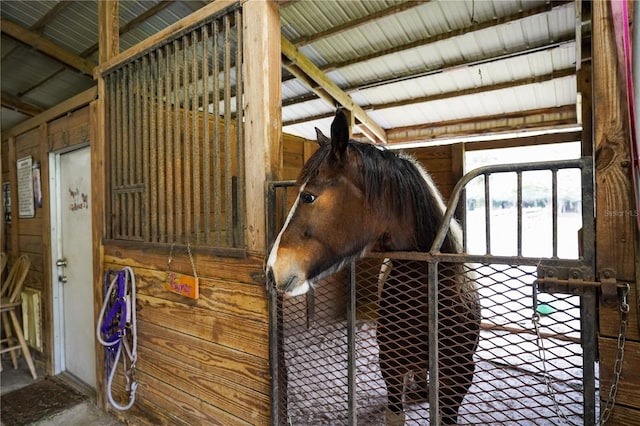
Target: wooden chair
[{"x": 10, "y": 300}]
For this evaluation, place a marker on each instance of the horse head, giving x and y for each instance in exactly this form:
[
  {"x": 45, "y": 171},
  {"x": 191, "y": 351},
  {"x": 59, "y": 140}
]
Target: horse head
[{"x": 329, "y": 223}]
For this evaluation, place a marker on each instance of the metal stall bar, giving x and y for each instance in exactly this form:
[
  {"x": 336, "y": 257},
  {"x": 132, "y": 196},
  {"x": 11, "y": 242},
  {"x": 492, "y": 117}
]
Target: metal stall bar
[
  {"x": 488, "y": 170},
  {"x": 277, "y": 367},
  {"x": 351, "y": 346}
]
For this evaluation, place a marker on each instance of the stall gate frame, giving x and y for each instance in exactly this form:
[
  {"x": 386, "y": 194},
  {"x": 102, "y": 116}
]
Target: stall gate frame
[{"x": 568, "y": 276}]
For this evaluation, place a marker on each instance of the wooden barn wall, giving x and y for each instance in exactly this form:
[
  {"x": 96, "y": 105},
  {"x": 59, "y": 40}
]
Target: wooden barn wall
[
  {"x": 31, "y": 236},
  {"x": 616, "y": 218},
  {"x": 199, "y": 361},
  {"x": 204, "y": 360}
]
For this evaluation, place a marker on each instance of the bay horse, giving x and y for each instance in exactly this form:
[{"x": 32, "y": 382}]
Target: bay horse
[{"x": 354, "y": 198}]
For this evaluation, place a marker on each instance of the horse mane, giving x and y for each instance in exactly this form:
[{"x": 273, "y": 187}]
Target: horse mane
[{"x": 395, "y": 185}]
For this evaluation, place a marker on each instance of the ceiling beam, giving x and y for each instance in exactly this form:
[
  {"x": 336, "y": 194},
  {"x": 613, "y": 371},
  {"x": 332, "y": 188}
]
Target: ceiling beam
[
  {"x": 327, "y": 89},
  {"x": 349, "y": 25},
  {"x": 445, "y": 36},
  {"x": 448, "y": 95},
  {"x": 20, "y": 106},
  {"x": 46, "y": 46},
  {"x": 550, "y": 119},
  {"x": 50, "y": 16},
  {"x": 135, "y": 22}
]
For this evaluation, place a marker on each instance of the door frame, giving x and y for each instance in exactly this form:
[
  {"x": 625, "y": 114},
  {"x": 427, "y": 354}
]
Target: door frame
[{"x": 57, "y": 308}]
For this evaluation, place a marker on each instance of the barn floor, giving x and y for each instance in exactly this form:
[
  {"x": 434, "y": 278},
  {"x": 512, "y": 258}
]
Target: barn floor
[
  {"x": 503, "y": 391},
  {"x": 58, "y": 403}
]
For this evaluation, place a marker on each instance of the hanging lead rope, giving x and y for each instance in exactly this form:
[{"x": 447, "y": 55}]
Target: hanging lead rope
[{"x": 117, "y": 329}]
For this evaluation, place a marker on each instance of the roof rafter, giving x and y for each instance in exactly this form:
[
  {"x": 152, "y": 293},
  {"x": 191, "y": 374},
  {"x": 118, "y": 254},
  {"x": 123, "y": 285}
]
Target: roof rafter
[
  {"x": 50, "y": 16},
  {"x": 324, "y": 87},
  {"x": 391, "y": 10},
  {"x": 46, "y": 46},
  {"x": 444, "y": 36},
  {"x": 448, "y": 95},
  {"x": 22, "y": 107}
]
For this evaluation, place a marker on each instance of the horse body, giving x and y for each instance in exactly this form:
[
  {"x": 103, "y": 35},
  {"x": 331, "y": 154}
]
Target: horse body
[{"x": 354, "y": 198}]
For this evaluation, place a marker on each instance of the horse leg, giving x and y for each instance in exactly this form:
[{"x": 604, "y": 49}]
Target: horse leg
[
  {"x": 393, "y": 375},
  {"x": 455, "y": 381}
]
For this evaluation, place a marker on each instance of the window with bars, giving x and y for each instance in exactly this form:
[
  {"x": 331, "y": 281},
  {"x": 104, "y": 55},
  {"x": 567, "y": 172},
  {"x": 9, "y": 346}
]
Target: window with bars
[{"x": 174, "y": 151}]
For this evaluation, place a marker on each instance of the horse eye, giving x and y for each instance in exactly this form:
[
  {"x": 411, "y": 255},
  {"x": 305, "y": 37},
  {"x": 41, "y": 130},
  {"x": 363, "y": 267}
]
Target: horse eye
[{"x": 307, "y": 197}]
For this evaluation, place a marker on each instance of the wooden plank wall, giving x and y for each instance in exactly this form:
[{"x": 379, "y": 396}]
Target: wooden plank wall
[
  {"x": 616, "y": 229},
  {"x": 201, "y": 361}
]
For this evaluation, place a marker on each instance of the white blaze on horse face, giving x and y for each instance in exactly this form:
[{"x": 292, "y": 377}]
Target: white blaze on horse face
[{"x": 274, "y": 264}]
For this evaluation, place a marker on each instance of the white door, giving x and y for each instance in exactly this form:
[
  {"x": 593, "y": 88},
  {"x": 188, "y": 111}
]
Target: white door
[{"x": 75, "y": 337}]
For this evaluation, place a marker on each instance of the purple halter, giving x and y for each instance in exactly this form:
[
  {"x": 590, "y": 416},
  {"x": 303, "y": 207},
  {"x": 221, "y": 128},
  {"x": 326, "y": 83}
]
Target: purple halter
[{"x": 114, "y": 324}]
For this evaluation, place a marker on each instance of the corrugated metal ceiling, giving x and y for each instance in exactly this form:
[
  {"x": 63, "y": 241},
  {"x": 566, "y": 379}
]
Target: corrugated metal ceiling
[{"x": 406, "y": 63}]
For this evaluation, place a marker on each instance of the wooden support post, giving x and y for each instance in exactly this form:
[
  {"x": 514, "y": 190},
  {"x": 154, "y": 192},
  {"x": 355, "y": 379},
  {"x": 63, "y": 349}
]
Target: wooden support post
[
  {"x": 108, "y": 30},
  {"x": 616, "y": 232},
  {"x": 263, "y": 115},
  {"x": 108, "y": 47}
]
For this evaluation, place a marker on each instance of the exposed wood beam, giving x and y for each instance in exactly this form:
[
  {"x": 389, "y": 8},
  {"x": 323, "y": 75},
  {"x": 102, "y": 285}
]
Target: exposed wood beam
[
  {"x": 50, "y": 16},
  {"x": 70, "y": 104},
  {"x": 16, "y": 104},
  {"x": 448, "y": 95},
  {"x": 516, "y": 122},
  {"x": 108, "y": 30},
  {"x": 455, "y": 33},
  {"x": 451, "y": 66},
  {"x": 324, "y": 85},
  {"x": 135, "y": 22},
  {"x": 357, "y": 22},
  {"x": 46, "y": 46}
]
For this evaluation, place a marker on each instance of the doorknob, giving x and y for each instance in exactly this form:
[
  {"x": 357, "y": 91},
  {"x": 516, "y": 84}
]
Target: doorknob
[
  {"x": 61, "y": 262},
  {"x": 62, "y": 279}
]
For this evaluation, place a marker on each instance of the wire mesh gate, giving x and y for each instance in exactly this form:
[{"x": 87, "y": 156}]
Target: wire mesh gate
[{"x": 535, "y": 360}]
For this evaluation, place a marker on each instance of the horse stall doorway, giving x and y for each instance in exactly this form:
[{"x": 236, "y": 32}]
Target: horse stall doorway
[
  {"x": 72, "y": 264},
  {"x": 535, "y": 359}
]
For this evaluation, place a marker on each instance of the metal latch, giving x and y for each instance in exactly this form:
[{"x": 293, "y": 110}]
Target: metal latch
[{"x": 570, "y": 281}]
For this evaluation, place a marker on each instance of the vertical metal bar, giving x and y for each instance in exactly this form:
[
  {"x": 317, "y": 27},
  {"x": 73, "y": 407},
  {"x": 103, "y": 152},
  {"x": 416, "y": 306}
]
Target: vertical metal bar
[
  {"x": 186, "y": 153},
  {"x": 177, "y": 143},
  {"x": 170, "y": 98},
  {"x": 588, "y": 309},
  {"x": 162, "y": 182},
  {"x": 121, "y": 170},
  {"x": 227, "y": 132},
  {"x": 487, "y": 214},
  {"x": 140, "y": 211},
  {"x": 113, "y": 136},
  {"x": 240, "y": 208},
  {"x": 206, "y": 146},
  {"x": 146, "y": 100},
  {"x": 588, "y": 213},
  {"x": 554, "y": 210},
  {"x": 217, "y": 175},
  {"x": 195, "y": 137},
  {"x": 153, "y": 145},
  {"x": 274, "y": 352},
  {"x": 271, "y": 213},
  {"x": 434, "y": 373},
  {"x": 131, "y": 163},
  {"x": 351, "y": 346},
  {"x": 519, "y": 203}
]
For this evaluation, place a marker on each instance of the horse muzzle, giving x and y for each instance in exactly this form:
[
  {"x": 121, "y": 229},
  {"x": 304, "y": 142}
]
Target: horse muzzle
[
  {"x": 285, "y": 273},
  {"x": 291, "y": 285}
]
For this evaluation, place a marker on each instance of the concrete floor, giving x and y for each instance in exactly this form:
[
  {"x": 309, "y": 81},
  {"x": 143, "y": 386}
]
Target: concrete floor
[{"x": 82, "y": 414}]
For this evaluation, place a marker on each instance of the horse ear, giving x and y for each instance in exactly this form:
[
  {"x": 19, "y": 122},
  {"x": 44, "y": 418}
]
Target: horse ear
[
  {"x": 339, "y": 134},
  {"x": 321, "y": 138}
]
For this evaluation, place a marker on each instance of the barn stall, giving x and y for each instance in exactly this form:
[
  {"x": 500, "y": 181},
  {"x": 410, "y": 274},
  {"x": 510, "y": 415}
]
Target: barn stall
[{"x": 208, "y": 358}]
